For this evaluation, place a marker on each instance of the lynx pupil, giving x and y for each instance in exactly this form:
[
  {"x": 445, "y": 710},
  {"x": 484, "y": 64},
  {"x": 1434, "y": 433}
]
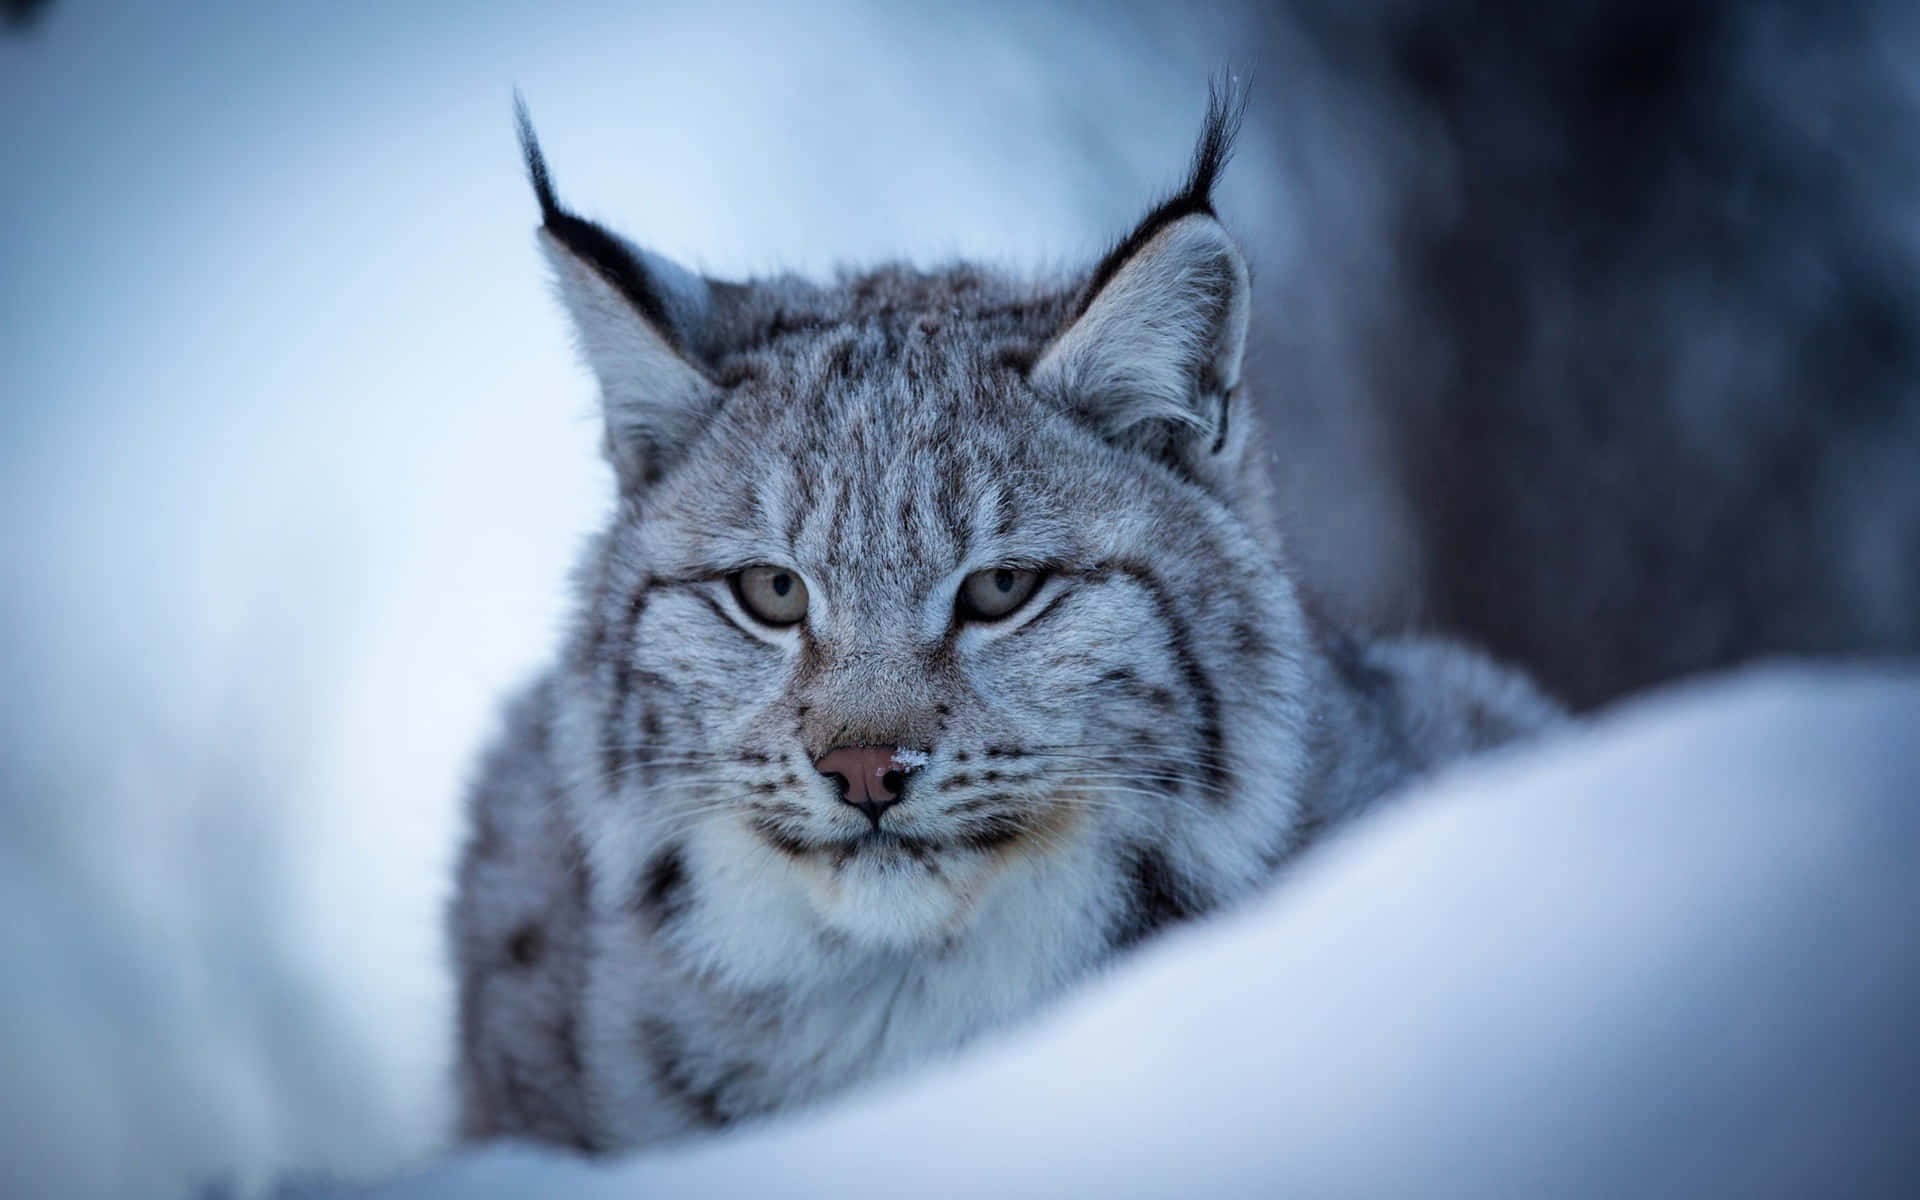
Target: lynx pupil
[
  {"x": 995, "y": 592},
  {"x": 771, "y": 595}
]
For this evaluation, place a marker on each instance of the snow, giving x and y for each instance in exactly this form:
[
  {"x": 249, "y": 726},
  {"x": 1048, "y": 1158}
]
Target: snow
[{"x": 1675, "y": 953}]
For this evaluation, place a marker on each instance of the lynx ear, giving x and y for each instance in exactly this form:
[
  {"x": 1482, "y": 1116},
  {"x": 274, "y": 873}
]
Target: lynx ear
[
  {"x": 1152, "y": 353},
  {"x": 637, "y": 318}
]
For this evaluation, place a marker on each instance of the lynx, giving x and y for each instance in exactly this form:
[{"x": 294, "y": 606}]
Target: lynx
[{"x": 941, "y": 647}]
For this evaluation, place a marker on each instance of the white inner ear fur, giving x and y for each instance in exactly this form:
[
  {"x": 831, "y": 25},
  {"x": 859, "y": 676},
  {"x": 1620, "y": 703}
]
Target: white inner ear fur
[
  {"x": 1170, "y": 324},
  {"x": 654, "y": 400}
]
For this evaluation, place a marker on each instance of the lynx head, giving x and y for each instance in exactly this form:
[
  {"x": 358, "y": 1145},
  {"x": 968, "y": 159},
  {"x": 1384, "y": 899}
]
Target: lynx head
[{"x": 925, "y": 588}]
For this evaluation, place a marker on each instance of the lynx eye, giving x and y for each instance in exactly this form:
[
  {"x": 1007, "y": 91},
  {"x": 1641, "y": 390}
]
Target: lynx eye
[
  {"x": 995, "y": 592},
  {"x": 773, "y": 595}
]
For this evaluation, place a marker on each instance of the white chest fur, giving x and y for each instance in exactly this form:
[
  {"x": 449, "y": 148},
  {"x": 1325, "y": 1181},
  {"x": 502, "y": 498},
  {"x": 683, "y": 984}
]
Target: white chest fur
[{"x": 744, "y": 1001}]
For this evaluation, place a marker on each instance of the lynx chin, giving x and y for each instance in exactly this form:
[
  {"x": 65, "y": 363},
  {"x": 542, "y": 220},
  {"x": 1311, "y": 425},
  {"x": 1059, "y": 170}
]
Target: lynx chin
[{"x": 941, "y": 647}]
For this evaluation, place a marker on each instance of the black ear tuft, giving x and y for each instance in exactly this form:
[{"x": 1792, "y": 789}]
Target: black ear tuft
[
  {"x": 608, "y": 256},
  {"x": 536, "y": 161},
  {"x": 1226, "y": 109}
]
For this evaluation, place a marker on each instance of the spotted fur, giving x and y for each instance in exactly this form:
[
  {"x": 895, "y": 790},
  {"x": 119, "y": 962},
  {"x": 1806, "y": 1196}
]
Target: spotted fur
[{"x": 667, "y": 920}]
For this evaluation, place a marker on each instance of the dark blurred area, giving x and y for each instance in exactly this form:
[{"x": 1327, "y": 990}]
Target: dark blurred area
[
  {"x": 21, "y": 14},
  {"x": 1633, "y": 330}
]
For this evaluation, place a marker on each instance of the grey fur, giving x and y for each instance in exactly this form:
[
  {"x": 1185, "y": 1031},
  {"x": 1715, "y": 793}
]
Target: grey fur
[
  {"x": 519, "y": 942},
  {"x": 1148, "y": 738}
]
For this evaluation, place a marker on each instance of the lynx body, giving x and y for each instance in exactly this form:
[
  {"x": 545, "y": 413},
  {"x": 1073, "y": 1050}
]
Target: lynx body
[{"x": 941, "y": 648}]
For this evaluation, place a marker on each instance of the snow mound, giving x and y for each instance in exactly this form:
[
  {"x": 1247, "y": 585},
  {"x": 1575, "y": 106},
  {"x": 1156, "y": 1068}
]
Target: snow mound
[{"x": 1675, "y": 952}]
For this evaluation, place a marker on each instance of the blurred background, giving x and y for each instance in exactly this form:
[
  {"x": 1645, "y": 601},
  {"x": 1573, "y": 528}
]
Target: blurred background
[{"x": 1588, "y": 332}]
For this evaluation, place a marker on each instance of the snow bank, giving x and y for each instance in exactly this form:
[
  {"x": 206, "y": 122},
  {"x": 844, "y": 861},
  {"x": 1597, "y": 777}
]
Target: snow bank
[{"x": 1675, "y": 953}]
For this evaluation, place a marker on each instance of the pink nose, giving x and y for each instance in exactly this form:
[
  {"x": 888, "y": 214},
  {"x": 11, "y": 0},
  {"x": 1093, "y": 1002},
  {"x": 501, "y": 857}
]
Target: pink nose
[{"x": 871, "y": 780}]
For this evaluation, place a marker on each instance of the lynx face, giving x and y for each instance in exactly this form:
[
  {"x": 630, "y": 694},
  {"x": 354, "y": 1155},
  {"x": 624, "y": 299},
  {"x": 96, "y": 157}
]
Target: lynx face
[
  {"x": 896, "y": 619},
  {"x": 924, "y": 579}
]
